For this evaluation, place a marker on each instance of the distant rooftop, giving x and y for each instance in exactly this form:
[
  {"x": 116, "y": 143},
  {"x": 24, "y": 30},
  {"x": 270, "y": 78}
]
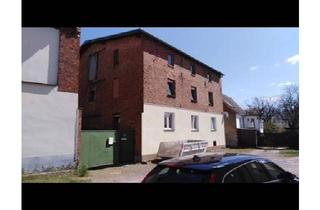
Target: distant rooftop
[
  {"x": 140, "y": 31},
  {"x": 233, "y": 105}
]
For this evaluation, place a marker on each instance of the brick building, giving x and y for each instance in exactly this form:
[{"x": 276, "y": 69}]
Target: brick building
[
  {"x": 133, "y": 80},
  {"x": 50, "y": 79}
]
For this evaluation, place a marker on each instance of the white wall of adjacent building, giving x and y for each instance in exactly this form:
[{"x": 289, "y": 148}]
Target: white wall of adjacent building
[
  {"x": 153, "y": 131},
  {"x": 40, "y": 49},
  {"x": 48, "y": 116}
]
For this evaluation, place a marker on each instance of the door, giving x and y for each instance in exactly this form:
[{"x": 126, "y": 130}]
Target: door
[{"x": 116, "y": 121}]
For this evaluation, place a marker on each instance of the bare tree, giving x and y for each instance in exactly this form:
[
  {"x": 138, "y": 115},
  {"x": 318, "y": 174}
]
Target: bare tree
[
  {"x": 288, "y": 107},
  {"x": 264, "y": 109}
]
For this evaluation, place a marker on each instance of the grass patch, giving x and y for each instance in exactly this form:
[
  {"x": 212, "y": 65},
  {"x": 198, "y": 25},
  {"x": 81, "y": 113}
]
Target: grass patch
[
  {"x": 289, "y": 153},
  {"x": 56, "y": 177}
]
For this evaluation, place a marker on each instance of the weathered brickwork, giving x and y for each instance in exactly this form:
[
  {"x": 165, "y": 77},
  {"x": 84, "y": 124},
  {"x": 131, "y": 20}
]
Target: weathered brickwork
[
  {"x": 230, "y": 127},
  {"x": 68, "y": 67},
  {"x": 157, "y": 72},
  {"x": 142, "y": 72}
]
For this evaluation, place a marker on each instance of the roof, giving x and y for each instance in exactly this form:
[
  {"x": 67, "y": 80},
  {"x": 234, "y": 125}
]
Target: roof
[
  {"x": 140, "y": 31},
  {"x": 208, "y": 161},
  {"x": 233, "y": 105}
]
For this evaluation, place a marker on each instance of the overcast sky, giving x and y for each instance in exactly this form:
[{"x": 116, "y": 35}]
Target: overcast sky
[{"x": 257, "y": 62}]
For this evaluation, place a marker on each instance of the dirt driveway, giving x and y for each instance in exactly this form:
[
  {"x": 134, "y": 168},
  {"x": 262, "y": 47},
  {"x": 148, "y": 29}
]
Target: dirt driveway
[{"x": 136, "y": 172}]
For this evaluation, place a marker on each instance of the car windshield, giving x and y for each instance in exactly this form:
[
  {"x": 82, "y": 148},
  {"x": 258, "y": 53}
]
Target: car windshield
[{"x": 165, "y": 174}]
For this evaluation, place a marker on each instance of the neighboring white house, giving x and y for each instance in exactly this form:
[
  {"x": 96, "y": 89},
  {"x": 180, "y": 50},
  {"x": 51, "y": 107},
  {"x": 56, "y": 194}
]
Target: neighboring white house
[
  {"x": 244, "y": 121},
  {"x": 49, "y": 101}
]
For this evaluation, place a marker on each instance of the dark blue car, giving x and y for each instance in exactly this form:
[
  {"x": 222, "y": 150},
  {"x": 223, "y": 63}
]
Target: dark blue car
[{"x": 219, "y": 168}]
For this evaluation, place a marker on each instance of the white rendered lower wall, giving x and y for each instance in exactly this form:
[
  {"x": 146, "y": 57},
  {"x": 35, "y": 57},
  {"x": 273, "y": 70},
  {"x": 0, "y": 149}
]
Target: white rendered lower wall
[
  {"x": 153, "y": 127},
  {"x": 48, "y": 127}
]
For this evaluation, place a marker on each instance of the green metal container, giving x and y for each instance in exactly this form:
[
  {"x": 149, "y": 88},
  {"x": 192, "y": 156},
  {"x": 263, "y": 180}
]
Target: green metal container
[{"x": 97, "y": 148}]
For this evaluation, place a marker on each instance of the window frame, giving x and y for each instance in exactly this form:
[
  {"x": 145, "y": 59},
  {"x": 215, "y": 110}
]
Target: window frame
[
  {"x": 213, "y": 128},
  {"x": 210, "y": 76},
  {"x": 193, "y": 70},
  {"x": 92, "y": 89},
  {"x": 116, "y": 56},
  {"x": 171, "y": 56},
  {"x": 195, "y": 119},
  {"x": 96, "y": 54},
  {"x": 211, "y": 103},
  {"x": 174, "y": 88},
  {"x": 194, "y": 100},
  {"x": 166, "y": 122}
]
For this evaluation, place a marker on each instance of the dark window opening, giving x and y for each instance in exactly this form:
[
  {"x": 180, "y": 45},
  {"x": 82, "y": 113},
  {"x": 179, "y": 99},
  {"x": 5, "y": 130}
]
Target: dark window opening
[
  {"x": 210, "y": 97},
  {"x": 115, "y": 57},
  {"x": 193, "y": 70},
  {"x": 116, "y": 121},
  {"x": 193, "y": 94},
  {"x": 92, "y": 94},
  {"x": 93, "y": 66},
  {"x": 210, "y": 76},
  {"x": 170, "y": 60},
  {"x": 171, "y": 91}
]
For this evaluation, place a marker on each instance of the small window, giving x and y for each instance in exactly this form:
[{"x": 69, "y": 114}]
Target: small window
[
  {"x": 193, "y": 94},
  {"x": 194, "y": 122},
  {"x": 170, "y": 60},
  {"x": 210, "y": 98},
  {"x": 273, "y": 170},
  {"x": 193, "y": 70},
  {"x": 93, "y": 66},
  {"x": 257, "y": 172},
  {"x": 239, "y": 175},
  {"x": 92, "y": 94},
  {"x": 168, "y": 121},
  {"x": 210, "y": 76},
  {"x": 213, "y": 124},
  {"x": 115, "y": 57},
  {"x": 171, "y": 89},
  {"x": 115, "y": 87}
]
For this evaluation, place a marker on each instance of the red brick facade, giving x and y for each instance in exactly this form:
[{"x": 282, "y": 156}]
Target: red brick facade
[
  {"x": 129, "y": 103},
  {"x": 142, "y": 74},
  {"x": 157, "y": 72},
  {"x": 230, "y": 126},
  {"x": 68, "y": 67}
]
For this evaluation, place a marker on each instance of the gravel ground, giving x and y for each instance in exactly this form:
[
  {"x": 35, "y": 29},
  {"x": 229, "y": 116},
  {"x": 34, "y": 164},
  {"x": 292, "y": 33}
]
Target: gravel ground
[{"x": 136, "y": 172}]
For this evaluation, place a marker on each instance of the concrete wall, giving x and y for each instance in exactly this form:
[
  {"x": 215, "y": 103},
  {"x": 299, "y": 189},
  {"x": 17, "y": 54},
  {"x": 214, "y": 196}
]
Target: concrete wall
[
  {"x": 40, "y": 49},
  {"x": 153, "y": 127},
  {"x": 48, "y": 127}
]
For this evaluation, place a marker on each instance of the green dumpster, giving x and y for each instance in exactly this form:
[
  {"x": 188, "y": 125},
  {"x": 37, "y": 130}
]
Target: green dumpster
[{"x": 97, "y": 148}]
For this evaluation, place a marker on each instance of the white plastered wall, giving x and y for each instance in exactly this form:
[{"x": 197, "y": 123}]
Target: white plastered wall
[{"x": 153, "y": 127}]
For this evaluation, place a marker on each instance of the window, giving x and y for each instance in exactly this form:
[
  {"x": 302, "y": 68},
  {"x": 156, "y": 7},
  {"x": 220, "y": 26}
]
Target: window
[
  {"x": 252, "y": 123},
  {"x": 168, "y": 121},
  {"x": 171, "y": 91},
  {"x": 93, "y": 66},
  {"x": 194, "y": 123},
  {"x": 210, "y": 98},
  {"x": 170, "y": 60},
  {"x": 210, "y": 76},
  {"x": 115, "y": 85},
  {"x": 239, "y": 175},
  {"x": 193, "y": 70},
  {"x": 273, "y": 170},
  {"x": 257, "y": 172},
  {"x": 213, "y": 124},
  {"x": 193, "y": 94},
  {"x": 115, "y": 57},
  {"x": 92, "y": 94},
  {"x": 116, "y": 121}
]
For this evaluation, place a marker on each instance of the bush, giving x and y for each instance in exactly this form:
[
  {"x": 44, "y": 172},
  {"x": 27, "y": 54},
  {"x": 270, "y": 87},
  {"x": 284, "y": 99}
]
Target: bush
[
  {"x": 82, "y": 170},
  {"x": 269, "y": 127}
]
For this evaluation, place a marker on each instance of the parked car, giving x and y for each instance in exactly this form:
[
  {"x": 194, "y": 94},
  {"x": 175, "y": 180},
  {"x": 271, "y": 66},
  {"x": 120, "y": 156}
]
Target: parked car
[{"x": 219, "y": 168}]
